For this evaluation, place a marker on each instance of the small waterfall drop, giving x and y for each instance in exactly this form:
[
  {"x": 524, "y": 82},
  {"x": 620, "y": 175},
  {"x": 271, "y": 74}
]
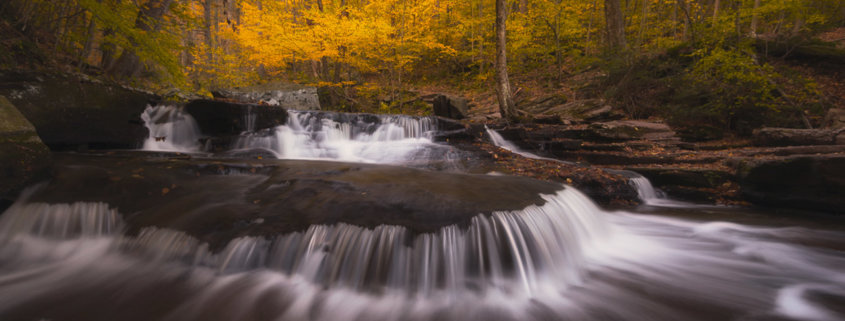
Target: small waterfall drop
[
  {"x": 500, "y": 141},
  {"x": 171, "y": 129},
  {"x": 645, "y": 191}
]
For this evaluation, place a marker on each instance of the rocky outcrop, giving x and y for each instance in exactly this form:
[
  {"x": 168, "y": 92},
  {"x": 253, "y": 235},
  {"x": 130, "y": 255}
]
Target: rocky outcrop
[
  {"x": 286, "y": 95},
  {"x": 222, "y": 118},
  {"x": 72, "y": 112},
  {"x": 284, "y": 196},
  {"x": 815, "y": 182},
  {"x": 448, "y": 106},
  {"x": 795, "y": 137},
  {"x": 23, "y": 157}
]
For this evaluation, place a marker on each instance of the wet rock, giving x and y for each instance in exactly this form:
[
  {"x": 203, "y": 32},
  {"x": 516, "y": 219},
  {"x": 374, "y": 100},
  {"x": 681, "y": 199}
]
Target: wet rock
[
  {"x": 24, "y": 159},
  {"x": 450, "y": 106},
  {"x": 72, "y": 112},
  {"x": 794, "y": 137},
  {"x": 689, "y": 177},
  {"x": 562, "y": 144},
  {"x": 806, "y": 182},
  {"x": 210, "y": 198},
  {"x": 286, "y": 95},
  {"x": 221, "y": 118},
  {"x": 691, "y": 184}
]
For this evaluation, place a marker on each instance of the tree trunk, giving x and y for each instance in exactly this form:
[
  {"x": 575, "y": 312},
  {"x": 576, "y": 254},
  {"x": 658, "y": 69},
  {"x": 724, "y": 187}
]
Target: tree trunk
[
  {"x": 128, "y": 65},
  {"x": 89, "y": 42},
  {"x": 503, "y": 88},
  {"x": 715, "y": 12},
  {"x": 615, "y": 24},
  {"x": 755, "y": 18}
]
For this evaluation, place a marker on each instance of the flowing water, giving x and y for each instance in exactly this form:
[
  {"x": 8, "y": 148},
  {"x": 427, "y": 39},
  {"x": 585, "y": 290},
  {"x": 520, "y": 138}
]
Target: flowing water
[{"x": 561, "y": 259}]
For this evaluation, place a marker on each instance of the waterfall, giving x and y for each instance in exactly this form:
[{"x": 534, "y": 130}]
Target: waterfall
[
  {"x": 563, "y": 260},
  {"x": 171, "y": 129},
  {"x": 500, "y": 141},
  {"x": 388, "y": 139},
  {"x": 645, "y": 191},
  {"x": 522, "y": 250}
]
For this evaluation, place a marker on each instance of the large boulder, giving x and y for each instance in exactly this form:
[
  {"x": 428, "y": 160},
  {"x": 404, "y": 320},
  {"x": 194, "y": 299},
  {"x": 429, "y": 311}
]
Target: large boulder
[
  {"x": 794, "y": 137},
  {"x": 23, "y": 157},
  {"x": 71, "y": 112},
  {"x": 287, "y": 95},
  {"x": 807, "y": 181},
  {"x": 450, "y": 106},
  {"x": 222, "y": 118}
]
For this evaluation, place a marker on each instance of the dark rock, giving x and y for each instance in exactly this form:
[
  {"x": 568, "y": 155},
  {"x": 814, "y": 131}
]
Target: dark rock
[
  {"x": 194, "y": 196},
  {"x": 561, "y": 145},
  {"x": 699, "y": 133},
  {"x": 286, "y": 95},
  {"x": 450, "y": 106},
  {"x": 23, "y": 157},
  {"x": 71, "y": 112},
  {"x": 805, "y": 182},
  {"x": 446, "y": 124},
  {"x": 793, "y": 137},
  {"x": 551, "y": 120},
  {"x": 663, "y": 177},
  {"x": 221, "y": 118}
]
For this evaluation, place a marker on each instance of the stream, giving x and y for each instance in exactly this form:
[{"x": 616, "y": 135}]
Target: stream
[{"x": 353, "y": 217}]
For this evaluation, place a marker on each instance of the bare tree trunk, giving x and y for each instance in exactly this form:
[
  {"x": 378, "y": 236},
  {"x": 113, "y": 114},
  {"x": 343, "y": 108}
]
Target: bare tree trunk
[
  {"x": 755, "y": 18},
  {"x": 503, "y": 88},
  {"x": 615, "y": 24},
  {"x": 481, "y": 43},
  {"x": 715, "y": 11}
]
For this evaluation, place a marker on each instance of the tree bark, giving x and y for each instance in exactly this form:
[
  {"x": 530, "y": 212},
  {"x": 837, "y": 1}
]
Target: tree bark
[
  {"x": 615, "y": 24},
  {"x": 128, "y": 65},
  {"x": 755, "y": 19},
  {"x": 503, "y": 88},
  {"x": 715, "y": 11}
]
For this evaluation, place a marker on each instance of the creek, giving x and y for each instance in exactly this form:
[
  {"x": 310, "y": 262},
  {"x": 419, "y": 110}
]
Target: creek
[{"x": 360, "y": 217}]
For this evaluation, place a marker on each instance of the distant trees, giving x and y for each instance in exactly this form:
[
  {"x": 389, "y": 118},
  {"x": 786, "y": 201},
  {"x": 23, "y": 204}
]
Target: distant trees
[{"x": 383, "y": 45}]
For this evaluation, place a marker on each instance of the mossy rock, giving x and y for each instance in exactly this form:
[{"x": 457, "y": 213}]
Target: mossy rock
[{"x": 23, "y": 157}]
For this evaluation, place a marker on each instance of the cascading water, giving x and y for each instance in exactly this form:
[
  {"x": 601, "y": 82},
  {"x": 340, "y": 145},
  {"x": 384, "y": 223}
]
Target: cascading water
[
  {"x": 500, "y": 141},
  {"x": 565, "y": 260},
  {"x": 388, "y": 139},
  {"x": 560, "y": 259},
  {"x": 171, "y": 129}
]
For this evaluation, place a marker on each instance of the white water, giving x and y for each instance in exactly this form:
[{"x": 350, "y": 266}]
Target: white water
[
  {"x": 369, "y": 139},
  {"x": 564, "y": 260},
  {"x": 171, "y": 129},
  {"x": 500, "y": 141}
]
